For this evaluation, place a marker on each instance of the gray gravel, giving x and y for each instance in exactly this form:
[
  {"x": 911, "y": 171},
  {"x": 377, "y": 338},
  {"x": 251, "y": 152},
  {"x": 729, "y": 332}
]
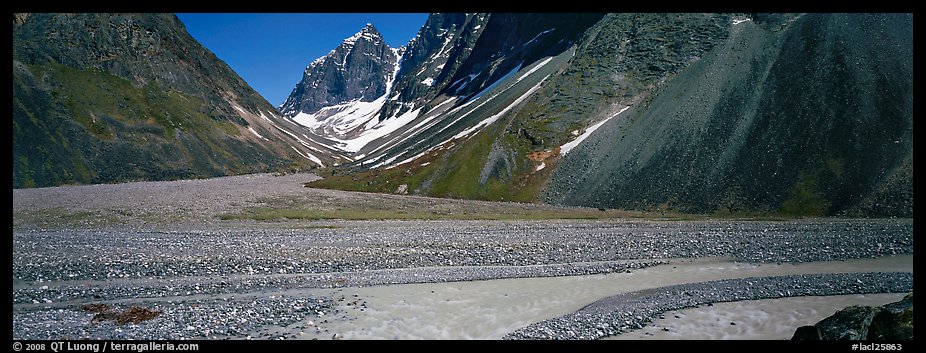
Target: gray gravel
[
  {"x": 216, "y": 266},
  {"x": 256, "y": 249},
  {"x": 62, "y": 292},
  {"x": 185, "y": 319},
  {"x": 154, "y": 202},
  {"x": 143, "y": 205},
  {"x": 630, "y": 311},
  {"x": 160, "y": 244}
]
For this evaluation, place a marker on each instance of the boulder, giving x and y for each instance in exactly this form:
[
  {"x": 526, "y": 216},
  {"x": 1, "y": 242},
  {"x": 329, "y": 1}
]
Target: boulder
[{"x": 889, "y": 322}]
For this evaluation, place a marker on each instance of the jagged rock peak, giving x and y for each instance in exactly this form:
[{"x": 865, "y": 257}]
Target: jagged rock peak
[
  {"x": 361, "y": 68},
  {"x": 368, "y": 33}
]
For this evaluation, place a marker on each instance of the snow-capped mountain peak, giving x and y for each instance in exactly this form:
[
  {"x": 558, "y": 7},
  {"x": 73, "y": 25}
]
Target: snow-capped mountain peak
[
  {"x": 367, "y": 33},
  {"x": 384, "y": 106},
  {"x": 359, "y": 69}
]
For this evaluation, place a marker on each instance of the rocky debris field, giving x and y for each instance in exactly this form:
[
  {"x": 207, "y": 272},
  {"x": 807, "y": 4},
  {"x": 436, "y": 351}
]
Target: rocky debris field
[
  {"x": 243, "y": 284},
  {"x": 190, "y": 203},
  {"x": 160, "y": 246},
  {"x": 267, "y": 249},
  {"x": 181, "y": 319},
  {"x": 206, "y": 280}
]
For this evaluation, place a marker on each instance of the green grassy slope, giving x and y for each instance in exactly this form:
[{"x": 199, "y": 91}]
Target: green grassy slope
[
  {"x": 794, "y": 115},
  {"x": 101, "y": 98},
  {"x": 75, "y": 126}
]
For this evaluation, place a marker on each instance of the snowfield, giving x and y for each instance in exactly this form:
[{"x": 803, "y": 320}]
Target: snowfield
[{"x": 564, "y": 149}]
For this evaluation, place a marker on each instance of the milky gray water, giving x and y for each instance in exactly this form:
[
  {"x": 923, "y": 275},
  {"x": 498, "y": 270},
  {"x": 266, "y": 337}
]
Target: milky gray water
[
  {"x": 767, "y": 319},
  {"x": 490, "y": 309}
]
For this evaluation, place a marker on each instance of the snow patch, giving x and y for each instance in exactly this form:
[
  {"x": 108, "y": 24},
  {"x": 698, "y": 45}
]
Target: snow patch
[
  {"x": 310, "y": 146},
  {"x": 390, "y": 160},
  {"x": 309, "y": 156},
  {"x": 466, "y": 80},
  {"x": 251, "y": 129},
  {"x": 497, "y": 82},
  {"x": 488, "y": 121},
  {"x": 395, "y": 71},
  {"x": 493, "y": 85},
  {"x": 319, "y": 60},
  {"x": 375, "y": 129},
  {"x": 341, "y": 118},
  {"x": 538, "y": 36},
  {"x": 420, "y": 126},
  {"x": 451, "y": 99},
  {"x": 428, "y": 82},
  {"x": 483, "y": 123},
  {"x": 363, "y": 34},
  {"x": 564, "y": 149},
  {"x": 444, "y": 48},
  {"x": 534, "y": 69}
]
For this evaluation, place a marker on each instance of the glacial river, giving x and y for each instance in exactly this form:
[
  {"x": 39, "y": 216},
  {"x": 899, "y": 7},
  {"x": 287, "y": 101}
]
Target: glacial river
[{"x": 490, "y": 309}]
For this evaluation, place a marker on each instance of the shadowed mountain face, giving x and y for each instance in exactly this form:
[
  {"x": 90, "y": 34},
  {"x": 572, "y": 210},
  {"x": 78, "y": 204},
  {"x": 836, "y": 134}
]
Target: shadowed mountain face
[
  {"x": 709, "y": 113},
  {"x": 101, "y": 98},
  {"x": 809, "y": 116}
]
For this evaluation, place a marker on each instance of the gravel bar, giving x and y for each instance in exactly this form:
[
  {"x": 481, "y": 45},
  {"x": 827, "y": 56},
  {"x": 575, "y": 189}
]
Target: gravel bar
[
  {"x": 266, "y": 249},
  {"x": 186, "y": 319},
  {"x": 167, "y": 246},
  {"x": 64, "y": 292},
  {"x": 630, "y": 311}
]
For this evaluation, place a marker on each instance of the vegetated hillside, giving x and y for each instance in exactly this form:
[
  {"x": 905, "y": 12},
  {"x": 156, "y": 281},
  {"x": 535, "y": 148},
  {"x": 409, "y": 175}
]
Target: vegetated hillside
[
  {"x": 808, "y": 115},
  {"x": 710, "y": 113},
  {"x": 101, "y": 98},
  {"x": 511, "y": 158}
]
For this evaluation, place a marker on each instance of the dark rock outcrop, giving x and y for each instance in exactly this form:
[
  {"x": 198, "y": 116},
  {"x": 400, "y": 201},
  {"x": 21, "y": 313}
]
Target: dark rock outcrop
[
  {"x": 889, "y": 322},
  {"x": 465, "y": 53},
  {"x": 430, "y": 58},
  {"x": 362, "y": 67}
]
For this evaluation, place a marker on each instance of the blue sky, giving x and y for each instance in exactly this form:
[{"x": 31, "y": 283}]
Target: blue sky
[{"x": 270, "y": 51}]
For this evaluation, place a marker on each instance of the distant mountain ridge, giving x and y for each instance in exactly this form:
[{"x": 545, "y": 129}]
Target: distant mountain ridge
[
  {"x": 791, "y": 114},
  {"x": 800, "y": 114},
  {"x": 454, "y": 59}
]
